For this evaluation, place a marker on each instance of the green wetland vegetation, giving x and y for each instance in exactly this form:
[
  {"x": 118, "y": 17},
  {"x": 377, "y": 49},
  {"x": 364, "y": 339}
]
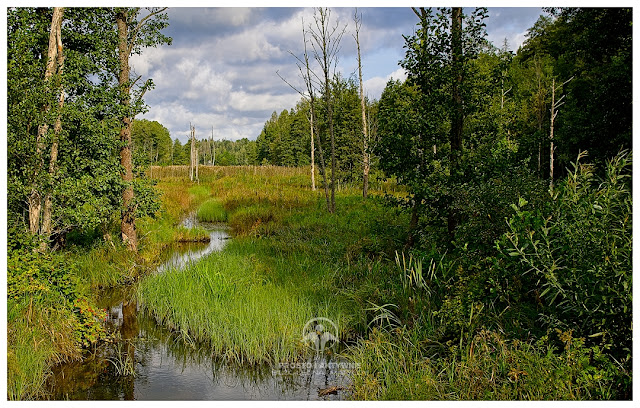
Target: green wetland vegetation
[{"x": 459, "y": 253}]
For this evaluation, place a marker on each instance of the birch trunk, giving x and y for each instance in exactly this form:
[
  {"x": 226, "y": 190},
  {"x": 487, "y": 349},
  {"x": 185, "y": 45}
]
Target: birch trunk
[
  {"x": 35, "y": 198},
  {"x": 53, "y": 159}
]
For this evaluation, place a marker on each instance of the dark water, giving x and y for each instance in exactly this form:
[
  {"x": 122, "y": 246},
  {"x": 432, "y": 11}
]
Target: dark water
[{"x": 149, "y": 362}]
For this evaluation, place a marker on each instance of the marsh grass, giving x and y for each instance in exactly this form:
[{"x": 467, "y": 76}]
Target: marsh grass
[
  {"x": 286, "y": 265},
  {"x": 230, "y": 302},
  {"x": 211, "y": 211},
  {"x": 37, "y": 338},
  {"x": 106, "y": 266}
]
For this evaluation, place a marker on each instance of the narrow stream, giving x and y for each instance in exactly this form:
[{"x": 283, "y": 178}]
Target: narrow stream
[{"x": 149, "y": 362}]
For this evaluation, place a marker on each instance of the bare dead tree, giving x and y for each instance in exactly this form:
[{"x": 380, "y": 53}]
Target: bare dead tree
[
  {"x": 325, "y": 41},
  {"x": 365, "y": 134},
  {"x": 213, "y": 155},
  {"x": 311, "y": 81},
  {"x": 193, "y": 165}
]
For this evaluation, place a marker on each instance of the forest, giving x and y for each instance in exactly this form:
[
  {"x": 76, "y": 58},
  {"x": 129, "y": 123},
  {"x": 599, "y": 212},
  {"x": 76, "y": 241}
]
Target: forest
[{"x": 469, "y": 232}]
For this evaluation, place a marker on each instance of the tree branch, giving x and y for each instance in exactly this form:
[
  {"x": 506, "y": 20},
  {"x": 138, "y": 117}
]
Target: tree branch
[{"x": 141, "y": 23}]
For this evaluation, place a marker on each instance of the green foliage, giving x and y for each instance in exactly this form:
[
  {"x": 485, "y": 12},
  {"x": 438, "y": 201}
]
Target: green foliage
[
  {"x": 579, "y": 249},
  {"x": 151, "y": 141},
  {"x": 84, "y": 188},
  {"x": 89, "y": 326},
  {"x": 43, "y": 278}
]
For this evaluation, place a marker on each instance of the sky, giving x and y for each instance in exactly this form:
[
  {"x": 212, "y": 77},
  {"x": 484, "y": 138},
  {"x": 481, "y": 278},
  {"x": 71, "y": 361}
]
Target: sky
[{"x": 222, "y": 68}]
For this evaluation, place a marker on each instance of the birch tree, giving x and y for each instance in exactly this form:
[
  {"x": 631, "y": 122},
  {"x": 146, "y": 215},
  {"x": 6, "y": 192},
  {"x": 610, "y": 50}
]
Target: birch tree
[{"x": 54, "y": 64}]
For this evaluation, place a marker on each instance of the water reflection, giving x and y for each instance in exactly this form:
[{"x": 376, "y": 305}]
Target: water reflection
[
  {"x": 183, "y": 253},
  {"x": 168, "y": 368}
]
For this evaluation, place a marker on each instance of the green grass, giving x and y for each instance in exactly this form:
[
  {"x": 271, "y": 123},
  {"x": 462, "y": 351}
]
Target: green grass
[
  {"x": 37, "y": 338},
  {"x": 211, "y": 211},
  {"x": 229, "y": 303},
  {"x": 402, "y": 364}
]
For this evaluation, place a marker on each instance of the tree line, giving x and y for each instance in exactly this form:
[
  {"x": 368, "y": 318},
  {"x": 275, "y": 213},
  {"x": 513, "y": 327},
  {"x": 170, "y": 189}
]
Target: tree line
[{"x": 152, "y": 145}]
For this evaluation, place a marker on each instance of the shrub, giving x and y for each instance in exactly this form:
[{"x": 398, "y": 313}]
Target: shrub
[{"x": 579, "y": 250}]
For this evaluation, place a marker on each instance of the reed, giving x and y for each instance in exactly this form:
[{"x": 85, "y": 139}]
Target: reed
[{"x": 402, "y": 364}]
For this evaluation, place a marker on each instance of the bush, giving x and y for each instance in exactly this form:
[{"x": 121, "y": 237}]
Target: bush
[{"x": 579, "y": 250}]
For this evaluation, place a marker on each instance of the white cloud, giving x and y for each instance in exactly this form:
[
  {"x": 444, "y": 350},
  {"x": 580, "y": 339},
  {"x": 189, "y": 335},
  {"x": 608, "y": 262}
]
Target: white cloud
[
  {"x": 374, "y": 86},
  {"x": 244, "y": 101},
  {"x": 221, "y": 69}
]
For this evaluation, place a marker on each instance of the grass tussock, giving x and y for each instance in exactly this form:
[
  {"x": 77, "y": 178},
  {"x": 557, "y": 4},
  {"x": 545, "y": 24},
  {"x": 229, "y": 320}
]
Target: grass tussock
[
  {"x": 196, "y": 234},
  {"x": 211, "y": 211},
  {"x": 255, "y": 220},
  {"x": 230, "y": 303}
]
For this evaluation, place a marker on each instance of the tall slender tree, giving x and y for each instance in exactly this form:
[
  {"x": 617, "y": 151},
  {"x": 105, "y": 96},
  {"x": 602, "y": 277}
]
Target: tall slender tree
[
  {"x": 325, "y": 41},
  {"x": 310, "y": 78},
  {"x": 54, "y": 62},
  {"x": 366, "y": 158},
  {"x": 437, "y": 63},
  {"x": 133, "y": 35},
  {"x": 57, "y": 128}
]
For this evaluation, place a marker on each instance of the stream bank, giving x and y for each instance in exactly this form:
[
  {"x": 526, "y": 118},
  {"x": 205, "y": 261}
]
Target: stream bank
[{"x": 145, "y": 361}]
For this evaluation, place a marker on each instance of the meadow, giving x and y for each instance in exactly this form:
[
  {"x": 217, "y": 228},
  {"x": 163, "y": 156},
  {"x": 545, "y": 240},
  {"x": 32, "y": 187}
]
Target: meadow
[{"x": 291, "y": 260}]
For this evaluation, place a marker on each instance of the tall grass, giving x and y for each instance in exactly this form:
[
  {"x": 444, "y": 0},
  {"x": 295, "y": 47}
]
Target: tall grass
[
  {"x": 231, "y": 303},
  {"x": 37, "y": 338},
  {"x": 403, "y": 365},
  {"x": 290, "y": 261}
]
